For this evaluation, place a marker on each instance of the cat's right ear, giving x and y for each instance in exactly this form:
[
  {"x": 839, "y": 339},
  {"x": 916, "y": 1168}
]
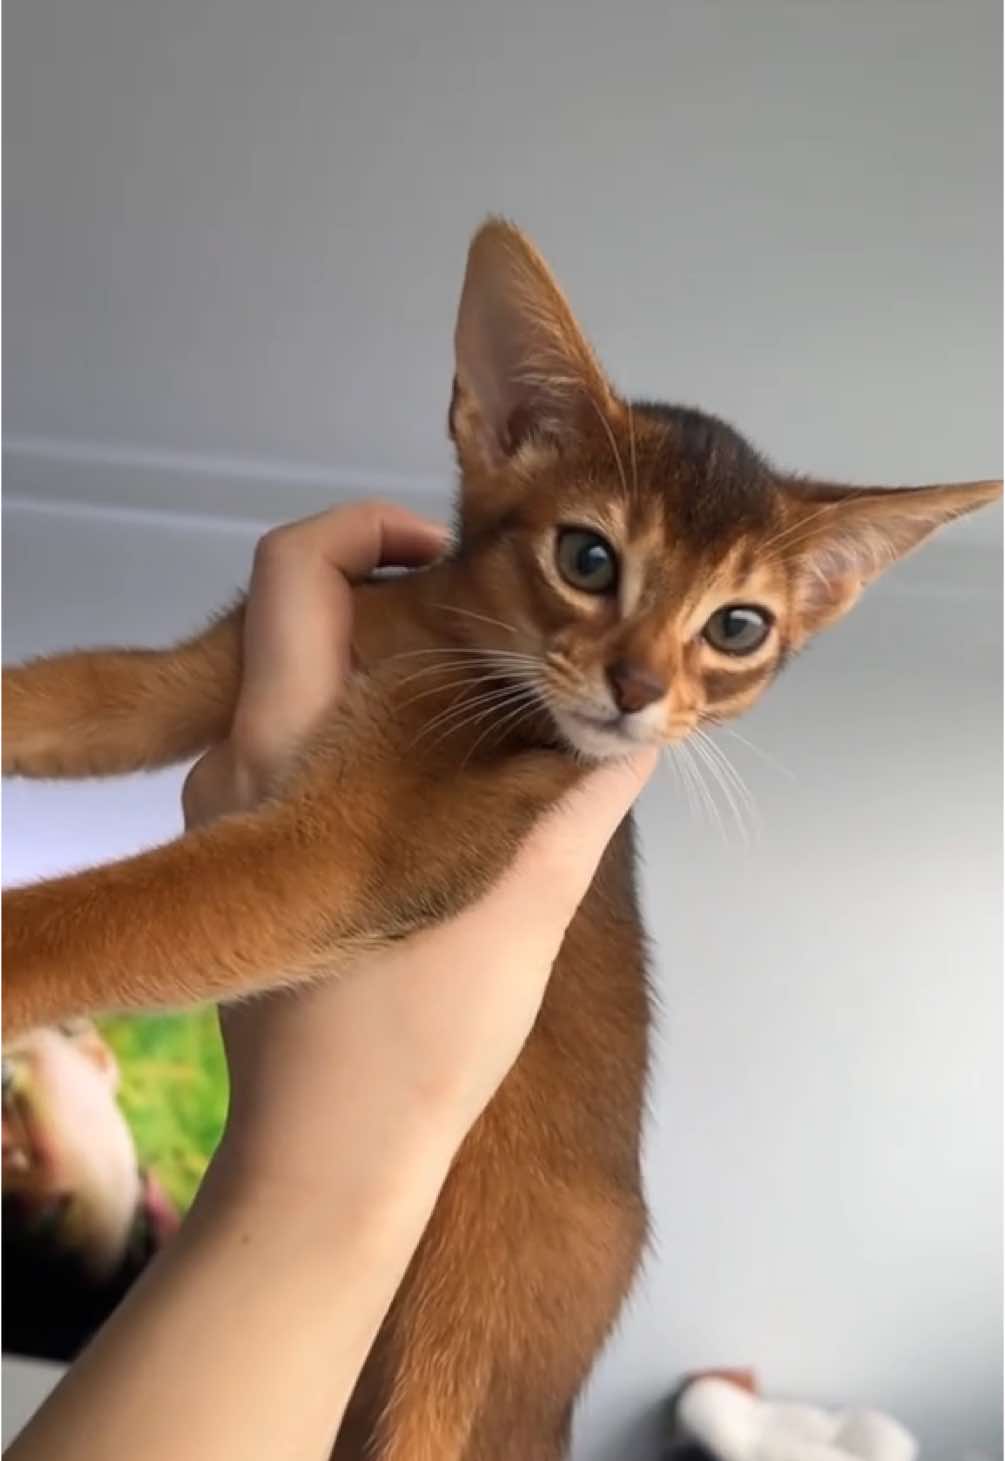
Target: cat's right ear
[
  {"x": 839, "y": 539},
  {"x": 524, "y": 369}
]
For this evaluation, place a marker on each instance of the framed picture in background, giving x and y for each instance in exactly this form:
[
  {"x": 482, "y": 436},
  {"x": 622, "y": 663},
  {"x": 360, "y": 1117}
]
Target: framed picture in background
[{"x": 107, "y": 1130}]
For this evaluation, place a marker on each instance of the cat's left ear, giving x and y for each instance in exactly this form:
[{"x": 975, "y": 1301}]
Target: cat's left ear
[
  {"x": 524, "y": 368},
  {"x": 838, "y": 539}
]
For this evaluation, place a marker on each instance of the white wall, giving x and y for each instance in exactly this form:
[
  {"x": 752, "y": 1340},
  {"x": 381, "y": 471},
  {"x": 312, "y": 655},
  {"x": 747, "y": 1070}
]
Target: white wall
[
  {"x": 239, "y": 227},
  {"x": 234, "y": 237},
  {"x": 824, "y": 1153}
]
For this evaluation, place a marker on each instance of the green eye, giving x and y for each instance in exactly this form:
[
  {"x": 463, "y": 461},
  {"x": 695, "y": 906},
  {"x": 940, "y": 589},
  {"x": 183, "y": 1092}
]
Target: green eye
[
  {"x": 738, "y": 629},
  {"x": 586, "y": 561}
]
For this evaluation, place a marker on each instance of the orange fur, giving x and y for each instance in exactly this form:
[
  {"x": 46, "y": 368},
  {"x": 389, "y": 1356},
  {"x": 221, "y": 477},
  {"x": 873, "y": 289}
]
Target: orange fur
[
  {"x": 154, "y": 709},
  {"x": 418, "y": 792}
]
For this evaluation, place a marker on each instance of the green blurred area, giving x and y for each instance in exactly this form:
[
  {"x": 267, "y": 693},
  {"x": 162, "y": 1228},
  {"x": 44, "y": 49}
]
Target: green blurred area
[{"x": 173, "y": 1092}]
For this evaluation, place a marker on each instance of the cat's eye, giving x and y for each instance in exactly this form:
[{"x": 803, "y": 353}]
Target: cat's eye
[
  {"x": 587, "y": 561},
  {"x": 738, "y": 629}
]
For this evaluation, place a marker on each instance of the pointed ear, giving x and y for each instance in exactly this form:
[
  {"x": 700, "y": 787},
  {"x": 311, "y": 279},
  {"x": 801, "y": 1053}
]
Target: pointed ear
[
  {"x": 523, "y": 366},
  {"x": 840, "y": 538}
]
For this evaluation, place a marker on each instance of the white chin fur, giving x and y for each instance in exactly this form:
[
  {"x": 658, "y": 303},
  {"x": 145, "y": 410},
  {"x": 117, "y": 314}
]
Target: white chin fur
[{"x": 594, "y": 742}]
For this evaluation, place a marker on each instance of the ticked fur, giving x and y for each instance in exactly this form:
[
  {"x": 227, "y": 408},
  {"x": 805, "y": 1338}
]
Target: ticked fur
[{"x": 487, "y": 682}]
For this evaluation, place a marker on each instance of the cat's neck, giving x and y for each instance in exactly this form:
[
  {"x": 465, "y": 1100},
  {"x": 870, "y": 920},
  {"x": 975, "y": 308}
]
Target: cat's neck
[
  {"x": 409, "y": 612},
  {"x": 439, "y": 608}
]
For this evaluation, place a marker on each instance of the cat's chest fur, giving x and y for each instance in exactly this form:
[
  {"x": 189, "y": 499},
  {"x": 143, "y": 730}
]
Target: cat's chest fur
[{"x": 574, "y": 1099}]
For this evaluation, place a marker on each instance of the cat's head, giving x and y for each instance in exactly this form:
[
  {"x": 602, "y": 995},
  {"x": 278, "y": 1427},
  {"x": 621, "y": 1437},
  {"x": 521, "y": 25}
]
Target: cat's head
[{"x": 653, "y": 568}]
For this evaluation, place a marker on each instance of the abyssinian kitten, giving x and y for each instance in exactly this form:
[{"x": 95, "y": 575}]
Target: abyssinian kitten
[{"x": 624, "y": 572}]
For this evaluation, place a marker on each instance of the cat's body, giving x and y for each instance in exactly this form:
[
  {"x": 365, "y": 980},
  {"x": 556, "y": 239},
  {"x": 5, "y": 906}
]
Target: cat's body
[
  {"x": 540, "y": 1225},
  {"x": 625, "y": 573}
]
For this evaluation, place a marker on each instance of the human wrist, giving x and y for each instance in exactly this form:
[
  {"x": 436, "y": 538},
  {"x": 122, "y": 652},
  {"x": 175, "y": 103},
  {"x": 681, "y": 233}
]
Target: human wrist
[{"x": 395, "y": 1179}]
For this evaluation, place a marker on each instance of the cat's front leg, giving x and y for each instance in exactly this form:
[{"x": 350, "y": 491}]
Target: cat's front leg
[
  {"x": 223, "y": 911},
  {"x": 361, "y": 846},
  {"x": 105, "y": 712}
]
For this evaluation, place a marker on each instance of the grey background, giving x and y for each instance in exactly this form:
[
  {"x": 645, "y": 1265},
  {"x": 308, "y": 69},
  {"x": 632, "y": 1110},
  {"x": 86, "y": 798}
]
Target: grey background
[
  {"x": 234, "y": 240},
  {"x": 238, "y": 228}
]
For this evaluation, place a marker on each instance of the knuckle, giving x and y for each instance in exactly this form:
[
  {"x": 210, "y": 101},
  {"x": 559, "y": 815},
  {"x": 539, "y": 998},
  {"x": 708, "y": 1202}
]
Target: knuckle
[
  {"x": 274, "y": 544},
  {"x": 372, "y": 512},
  {"x": 256, "y": 737},
  {"x": 376, "y": 507},
  {"x": 193, "y": 789}
]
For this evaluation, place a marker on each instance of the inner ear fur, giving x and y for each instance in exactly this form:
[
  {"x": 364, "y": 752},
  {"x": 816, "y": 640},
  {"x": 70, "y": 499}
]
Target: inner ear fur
[
  {"x": 524, "y": 368},
  {"x": 839, "y": 539}
]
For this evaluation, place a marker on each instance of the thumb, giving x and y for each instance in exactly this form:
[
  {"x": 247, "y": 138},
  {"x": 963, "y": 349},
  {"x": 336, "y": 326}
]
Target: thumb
[{"x": 562, "y": 851}]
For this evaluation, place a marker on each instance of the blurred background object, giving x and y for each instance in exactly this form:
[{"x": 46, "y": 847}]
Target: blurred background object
[{"x": 81, "y": 1216}]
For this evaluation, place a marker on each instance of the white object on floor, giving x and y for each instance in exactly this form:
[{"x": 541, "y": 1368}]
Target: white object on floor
[{"x": 737, "y": 1426}]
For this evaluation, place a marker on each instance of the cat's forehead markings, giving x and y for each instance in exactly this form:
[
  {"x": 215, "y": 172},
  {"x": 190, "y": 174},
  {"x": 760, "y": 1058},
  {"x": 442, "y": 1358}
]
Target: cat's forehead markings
[
  {"x": 633, "y": 579},
  {"x": 643, "y": 561},
  {"x": 608, "y": 517},
  {"x": 701, "y": 579},
  {"x": 731, "y": 569},
  {"x": 733, "y": 578},
  {"x": 766, "y": 584}
]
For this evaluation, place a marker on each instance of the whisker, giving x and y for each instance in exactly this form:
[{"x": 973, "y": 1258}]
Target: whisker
[
  {"x": 460, "y": 709},
  {"x": 534, "y": 705},
  {"x": 530, "y": 701},
  {"x": 518, "y": 697},
  {"x": 774, "y": 560},
  {"x": 469, "y": 680},
  {"x": 460, "y": 649},
  {"x": 719, "y": 755},
  {"x": 687, "y": 751},
  {"x": 758, "y": 751},
  {"x": 671, "y": 760},
  {"x": 471, "y": 614},
  {"x": 686, "y": 778},
  {"x": 459, "y": 706},
  {"x": 734, "y": 789},
  {"x": 631, "y": 443},
  {"x": 699, "y": 808},
  {"x": 717, "y": 784},
  {"x": 472, "y": 662},
  {"x": 481, "y": 667},
  {"x": 614, "y": 445},
  {"x": 482, "y": 685},
  {"x": 802, "y": 522}
]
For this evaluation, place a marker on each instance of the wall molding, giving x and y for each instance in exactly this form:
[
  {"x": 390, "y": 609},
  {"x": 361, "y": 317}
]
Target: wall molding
[
  {"x": 68, "y": 477},
  {"x": 195, "y": 485}
]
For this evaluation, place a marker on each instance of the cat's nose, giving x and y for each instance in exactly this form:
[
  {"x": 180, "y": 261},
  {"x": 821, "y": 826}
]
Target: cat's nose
[{"x": 634, "y": 686}]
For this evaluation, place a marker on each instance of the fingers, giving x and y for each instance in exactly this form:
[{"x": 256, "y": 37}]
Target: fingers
[
  {"x": 357, "y": 539},
  {"x": 386, "y": 537},
  {"x": 299, "y": 579},
  {"x": 299, "y": 605},
  {"x": 298, "y": 621}
]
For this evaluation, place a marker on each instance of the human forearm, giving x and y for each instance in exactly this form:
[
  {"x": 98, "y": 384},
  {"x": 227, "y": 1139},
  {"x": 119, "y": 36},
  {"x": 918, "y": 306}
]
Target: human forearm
[{"x": 245, "y": 1339}]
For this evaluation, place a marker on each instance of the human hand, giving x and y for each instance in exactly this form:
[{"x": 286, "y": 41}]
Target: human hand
[
  {"x": 297, "y": 642},
  {"x": 414, "y": 1038},
  {"x": 411, "y": 1043}
]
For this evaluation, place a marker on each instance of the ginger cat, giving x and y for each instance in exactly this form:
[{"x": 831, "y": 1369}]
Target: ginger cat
[{"x": 625, "y": 572}]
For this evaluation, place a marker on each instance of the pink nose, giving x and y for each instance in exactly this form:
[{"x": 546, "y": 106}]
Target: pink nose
[{"x": 634, "y": 686}]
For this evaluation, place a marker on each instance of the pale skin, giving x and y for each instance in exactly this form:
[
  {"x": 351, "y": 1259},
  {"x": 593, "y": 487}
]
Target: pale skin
[
  {"x": 349, "y": 1098},
  {"x": 69, "y": 1140}
]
